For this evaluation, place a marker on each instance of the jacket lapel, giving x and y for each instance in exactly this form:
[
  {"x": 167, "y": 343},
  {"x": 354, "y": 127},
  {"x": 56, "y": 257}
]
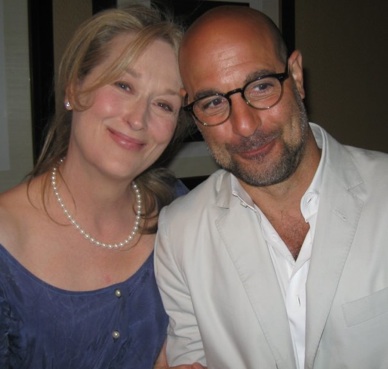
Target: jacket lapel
[
  {"x": 248, "y": 251},
  {"x": 338, "y": 215}
]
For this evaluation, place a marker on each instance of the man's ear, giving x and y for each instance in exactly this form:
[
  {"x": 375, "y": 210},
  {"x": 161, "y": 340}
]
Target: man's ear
[{"x": 295, "y": 69}]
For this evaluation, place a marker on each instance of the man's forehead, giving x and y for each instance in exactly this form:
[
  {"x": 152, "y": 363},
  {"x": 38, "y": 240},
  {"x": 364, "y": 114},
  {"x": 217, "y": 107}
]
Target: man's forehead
[
  {"x": 227, "y": 52},
  {"x": 222, "y": 34}
]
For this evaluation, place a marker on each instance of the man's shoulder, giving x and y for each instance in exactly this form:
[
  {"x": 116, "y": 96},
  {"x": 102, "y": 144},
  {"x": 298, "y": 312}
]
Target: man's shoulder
[
  {"x": 362, "y": 169},
  {"x": 369, "y": 161},
  {"x": 202, "y": 196},
  {"x": 353, "y": 160}
]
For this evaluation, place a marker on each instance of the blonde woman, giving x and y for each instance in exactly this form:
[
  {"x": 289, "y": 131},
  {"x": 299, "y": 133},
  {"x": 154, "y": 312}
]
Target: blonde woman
[{"x": 77, "y": 287}]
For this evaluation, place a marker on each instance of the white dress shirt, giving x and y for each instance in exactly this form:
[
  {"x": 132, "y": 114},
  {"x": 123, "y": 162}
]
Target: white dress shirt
[{"x": 291, "y": 273}]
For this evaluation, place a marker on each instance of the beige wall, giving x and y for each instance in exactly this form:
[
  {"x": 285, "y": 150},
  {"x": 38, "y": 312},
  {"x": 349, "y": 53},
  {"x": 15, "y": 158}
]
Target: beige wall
[
  {"x": 17, "y": 92},
  {"x": 65, "y": 22},
  {"x": 344, "y": 44}
]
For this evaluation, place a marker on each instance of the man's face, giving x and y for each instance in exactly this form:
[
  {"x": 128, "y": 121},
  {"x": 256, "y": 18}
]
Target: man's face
[{"x": 260, "y": 147}]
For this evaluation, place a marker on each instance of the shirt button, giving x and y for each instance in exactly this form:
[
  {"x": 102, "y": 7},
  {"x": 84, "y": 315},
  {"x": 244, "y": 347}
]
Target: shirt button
[
  {"x": 116, "y": 335},
  {"x": 117, "y": 293}
]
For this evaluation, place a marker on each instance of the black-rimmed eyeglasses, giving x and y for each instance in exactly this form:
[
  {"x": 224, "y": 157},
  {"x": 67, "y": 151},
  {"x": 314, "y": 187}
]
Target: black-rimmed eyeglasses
[{"x": 262, "y": 93}]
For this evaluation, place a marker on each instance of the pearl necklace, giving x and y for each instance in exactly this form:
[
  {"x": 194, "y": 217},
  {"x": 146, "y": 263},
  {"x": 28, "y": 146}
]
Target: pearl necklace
[{"x": 86, "y": 235}]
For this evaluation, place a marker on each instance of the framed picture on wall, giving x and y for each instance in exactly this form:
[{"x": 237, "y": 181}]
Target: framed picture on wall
[
  {"x": 189, "y": 10},
  {"x": 282, "y": 12}
]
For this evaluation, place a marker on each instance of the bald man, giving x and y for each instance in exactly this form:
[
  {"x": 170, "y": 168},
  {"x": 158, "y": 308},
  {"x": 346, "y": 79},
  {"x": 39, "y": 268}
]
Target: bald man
[{"x": 280, "y": 258}]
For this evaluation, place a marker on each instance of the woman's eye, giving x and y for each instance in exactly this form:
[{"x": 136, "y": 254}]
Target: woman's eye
[
  {"x": 123, "y": 86},
  {"x": 166, "y": 107}
]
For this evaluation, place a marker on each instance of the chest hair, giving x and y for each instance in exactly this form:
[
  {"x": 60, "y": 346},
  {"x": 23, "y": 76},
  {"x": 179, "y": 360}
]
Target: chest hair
[{"x": 292, "y": 230}]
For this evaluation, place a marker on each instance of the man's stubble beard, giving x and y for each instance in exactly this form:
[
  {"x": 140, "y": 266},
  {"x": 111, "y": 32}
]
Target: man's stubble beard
[{"x": 285, "y": 166}]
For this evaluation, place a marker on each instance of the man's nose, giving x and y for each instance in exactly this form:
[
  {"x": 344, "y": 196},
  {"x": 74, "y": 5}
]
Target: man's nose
[{"x": 244, "y": 118}]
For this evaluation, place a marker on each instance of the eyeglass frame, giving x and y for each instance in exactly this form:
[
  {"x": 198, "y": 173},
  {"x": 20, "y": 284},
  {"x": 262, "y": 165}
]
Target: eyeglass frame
[{"x": 281, "y": 77}]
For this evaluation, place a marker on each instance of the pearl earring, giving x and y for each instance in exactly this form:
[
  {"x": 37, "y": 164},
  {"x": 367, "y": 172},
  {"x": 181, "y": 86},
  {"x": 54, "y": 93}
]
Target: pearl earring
[{"x": 67, "y": 105}]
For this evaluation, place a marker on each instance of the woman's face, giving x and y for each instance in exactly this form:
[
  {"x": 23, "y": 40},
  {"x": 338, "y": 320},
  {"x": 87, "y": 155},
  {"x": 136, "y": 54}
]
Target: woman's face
[{"x": 129, "y": 122}]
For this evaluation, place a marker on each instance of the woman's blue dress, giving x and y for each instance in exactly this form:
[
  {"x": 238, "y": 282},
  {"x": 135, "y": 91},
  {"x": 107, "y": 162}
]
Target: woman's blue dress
[{"x": 44, "y": 327}]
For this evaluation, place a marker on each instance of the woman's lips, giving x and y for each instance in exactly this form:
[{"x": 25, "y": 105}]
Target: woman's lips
[{"x": 127, "y": 142}]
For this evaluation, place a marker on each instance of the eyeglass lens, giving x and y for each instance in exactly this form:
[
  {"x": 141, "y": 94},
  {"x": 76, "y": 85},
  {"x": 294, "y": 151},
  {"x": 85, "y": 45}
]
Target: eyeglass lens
[{"x": 260, "y": 94}]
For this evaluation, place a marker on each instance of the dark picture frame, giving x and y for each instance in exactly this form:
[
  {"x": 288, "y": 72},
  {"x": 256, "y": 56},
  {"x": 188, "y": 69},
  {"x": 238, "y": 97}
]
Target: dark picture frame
[{"x": 41, "y": 43}]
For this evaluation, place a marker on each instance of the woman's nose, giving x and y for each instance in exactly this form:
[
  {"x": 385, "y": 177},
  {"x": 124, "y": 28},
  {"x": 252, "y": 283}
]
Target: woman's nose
[{"x": 137, "y": 115}]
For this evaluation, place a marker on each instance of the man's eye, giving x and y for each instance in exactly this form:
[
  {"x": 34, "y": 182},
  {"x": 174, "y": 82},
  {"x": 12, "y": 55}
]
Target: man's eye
[
  {"x": 262, "y": 87},
  {"x": 214, "y": 103}
]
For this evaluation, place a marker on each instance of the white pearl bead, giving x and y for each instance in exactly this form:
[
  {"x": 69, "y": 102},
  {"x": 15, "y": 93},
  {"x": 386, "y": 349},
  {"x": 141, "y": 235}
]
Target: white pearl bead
[{"x": 84, "y": 233}]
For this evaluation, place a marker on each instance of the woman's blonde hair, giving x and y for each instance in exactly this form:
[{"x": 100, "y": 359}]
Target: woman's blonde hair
[{"x": 87, "y": 49}]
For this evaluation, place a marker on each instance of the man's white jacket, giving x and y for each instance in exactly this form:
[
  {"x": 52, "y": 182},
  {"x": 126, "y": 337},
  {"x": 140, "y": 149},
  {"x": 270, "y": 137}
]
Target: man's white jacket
[{"x": 221, "y": 292}]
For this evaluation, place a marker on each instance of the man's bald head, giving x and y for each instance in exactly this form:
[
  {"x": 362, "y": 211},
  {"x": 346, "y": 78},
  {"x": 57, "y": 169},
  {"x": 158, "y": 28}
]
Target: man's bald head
[{"x": 222, "y": 21}]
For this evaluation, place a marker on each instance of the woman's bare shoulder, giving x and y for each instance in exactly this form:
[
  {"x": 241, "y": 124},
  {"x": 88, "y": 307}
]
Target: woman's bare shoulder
[
  {"x": 15, "y": 213},
  {"x": 13, "y": 199}
]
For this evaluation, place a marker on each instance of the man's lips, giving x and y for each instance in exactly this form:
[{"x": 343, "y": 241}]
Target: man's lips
[
  {"x": 258, "y": 151},
  {"x": 127, "y": 142},
  {"x": 253, "y": 150}
]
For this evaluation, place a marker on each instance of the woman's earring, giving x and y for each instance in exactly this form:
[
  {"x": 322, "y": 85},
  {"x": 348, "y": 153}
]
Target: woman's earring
[{"x": 67, "y": 105}]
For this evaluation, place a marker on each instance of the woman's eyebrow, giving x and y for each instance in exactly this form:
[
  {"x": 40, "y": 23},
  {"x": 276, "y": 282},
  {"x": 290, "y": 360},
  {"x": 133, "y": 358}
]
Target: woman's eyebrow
[
  {"x": 170, "y": 91},
  {"x": 132, "y": 72}
]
